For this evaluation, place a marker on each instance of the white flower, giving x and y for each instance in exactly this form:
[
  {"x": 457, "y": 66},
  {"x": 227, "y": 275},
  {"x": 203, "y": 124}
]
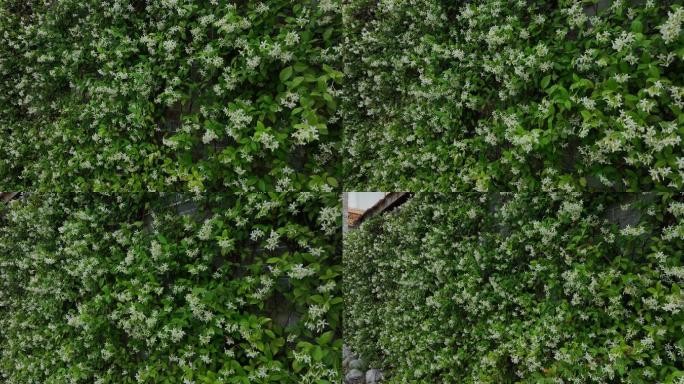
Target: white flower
[
  {"x": 472, "y": 213},
  {"x": 659, "y": 174},
  {"x": 253, "y": 62},
  {"x": 305, "y": 133},
  {"x": 291, "y": 38},
  {"x": 589, "y": 104},
  {"x": 646, "y": 105},
  {"x": 106, "y": 354},
  {"x": 572, "y": 209},
  {"x": 177, "y": 334},
  {"x": 205, "y": 232},
  {"x": 290, "y": 100},
  {"x": 169, "y": 45},
  {"x": 672, "y": 27},
  {"x": 155, "y": 250},
  {"x": 575, "y": 14},
  {"x": 262, "y": 8},
  {"x": 226, "y": 243},
  {"x": 299, "y": 272},
  {"x": 209, "y": 136},
  {"x": 623, "y": 41},
  {"x": 621, "y": 77},
  {"x": 676, "y": 209},
  {"x": 239, "y": 119},
  {"x": 269, "y": 141},
  {"x": 256, "y": 234},
  {"x": 272, "y": 241},
  {"x": 632, "y": 231},
  {"x": 328, "y": 218}
]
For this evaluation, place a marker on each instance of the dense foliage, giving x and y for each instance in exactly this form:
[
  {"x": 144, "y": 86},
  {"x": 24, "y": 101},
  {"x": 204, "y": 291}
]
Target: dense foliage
[
  {"x": 130, "y": 288},
  {"x": 514, "y": 95},
  {"x": 503, "y": 288},
  {"x": 169, "y": 95}
]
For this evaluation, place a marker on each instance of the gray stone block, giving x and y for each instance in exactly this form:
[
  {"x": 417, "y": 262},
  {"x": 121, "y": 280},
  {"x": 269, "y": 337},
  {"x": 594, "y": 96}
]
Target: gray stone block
[
  {"x": 357, "y": 364},
  {"x": 374, "y": 376},
  {"x": 355, "y": 377}
]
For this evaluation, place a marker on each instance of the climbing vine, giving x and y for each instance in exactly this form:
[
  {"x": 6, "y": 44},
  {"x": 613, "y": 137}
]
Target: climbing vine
[
  {"x": 169, "y": 95},
  {"x": 148, "y": 288},
  {"x": 514, "y": 288},
  {"x": 514, "y": 95}
]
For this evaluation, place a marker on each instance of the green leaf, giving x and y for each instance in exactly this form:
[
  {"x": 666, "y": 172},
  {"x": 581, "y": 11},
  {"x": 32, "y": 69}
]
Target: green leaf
[
  {"x": 300, "y": 67},
  {"x": 286, "y": 73},
  {"x": 325, "y": 338},
  {"x": 318, "y": 353},
  {"x": 332, "y": 181},
  {"x": 327, "y": 34},
  {"x": 295, "y": 82}
]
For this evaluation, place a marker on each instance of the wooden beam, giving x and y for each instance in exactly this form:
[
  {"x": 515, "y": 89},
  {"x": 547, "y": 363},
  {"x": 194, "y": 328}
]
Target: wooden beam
[
  {"x": 7, "y": 196},
  {"x": 388, "y": 203}
]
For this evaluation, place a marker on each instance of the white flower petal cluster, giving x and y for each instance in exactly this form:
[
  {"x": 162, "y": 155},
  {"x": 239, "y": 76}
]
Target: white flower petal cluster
[
  {"x": 498, "y": 95},
  {"x": 123, "y": 288},
  {"x": 525, "y": 288},
  {"x": 172, "y": 95}
]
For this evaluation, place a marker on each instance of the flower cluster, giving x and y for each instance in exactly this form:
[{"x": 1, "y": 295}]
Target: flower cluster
[
  {"x": 503, "y": 288},
  {"x": 501, "y": 95},
  {"x": 183, "y": 95},
  {"x": 139, "y": 288}
]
